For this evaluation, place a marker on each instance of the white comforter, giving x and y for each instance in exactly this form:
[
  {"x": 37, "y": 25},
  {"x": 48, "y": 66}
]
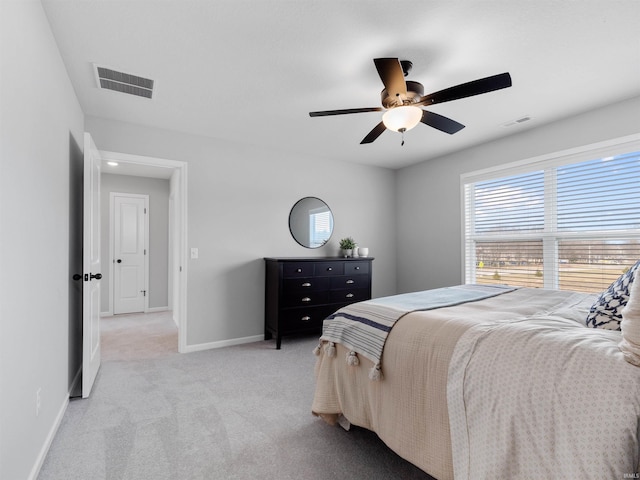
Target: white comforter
[
  {"x": 514, "y": 386},
  {"x": 543, "y": 397}
]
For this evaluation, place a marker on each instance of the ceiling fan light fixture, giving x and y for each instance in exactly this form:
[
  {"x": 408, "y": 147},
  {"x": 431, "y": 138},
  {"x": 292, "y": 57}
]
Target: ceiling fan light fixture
[{"x": 402, "y": 118}]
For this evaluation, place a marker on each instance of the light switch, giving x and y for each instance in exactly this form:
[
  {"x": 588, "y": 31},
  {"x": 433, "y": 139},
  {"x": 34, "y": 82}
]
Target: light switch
[{"x": 194, "y": 252}]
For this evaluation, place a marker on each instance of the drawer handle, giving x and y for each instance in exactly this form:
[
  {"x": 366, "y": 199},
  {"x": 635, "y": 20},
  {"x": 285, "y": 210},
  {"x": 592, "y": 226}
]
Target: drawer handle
[
  {"x": 299, "y": 270},
  {"x": 357, "y": 268},
  {"x": 306, "y": 284},
  {"x": 306, "y": 299},
  {"x": 349, "y": 295},
  {"x": 329, "y": 269},
  {"x": 349, "y": 282},
  {"x": 305, "y": 319}
]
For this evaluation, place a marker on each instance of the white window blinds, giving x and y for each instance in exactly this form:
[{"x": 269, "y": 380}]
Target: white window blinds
[
  {"x": 573, "y": 226},
  {"x": 511, "y": 204},
  {"x": 603, "y": 194}
]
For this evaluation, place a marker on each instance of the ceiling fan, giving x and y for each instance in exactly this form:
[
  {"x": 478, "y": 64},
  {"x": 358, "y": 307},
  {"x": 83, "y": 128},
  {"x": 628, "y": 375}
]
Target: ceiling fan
[{"x": 402, "y": 100}]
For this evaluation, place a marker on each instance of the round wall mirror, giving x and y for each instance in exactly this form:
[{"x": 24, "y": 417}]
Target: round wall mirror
[{"x": 311, "y": 222}]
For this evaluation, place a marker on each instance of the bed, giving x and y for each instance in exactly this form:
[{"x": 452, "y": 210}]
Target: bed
[{"x": 485, "y": 385}]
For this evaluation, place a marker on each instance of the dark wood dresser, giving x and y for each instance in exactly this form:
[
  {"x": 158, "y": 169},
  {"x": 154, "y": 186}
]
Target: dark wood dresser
[{"x": 301, "y": 292}]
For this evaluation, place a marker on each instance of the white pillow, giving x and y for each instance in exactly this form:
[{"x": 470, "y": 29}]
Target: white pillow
[{"x": 630, "y": 325}]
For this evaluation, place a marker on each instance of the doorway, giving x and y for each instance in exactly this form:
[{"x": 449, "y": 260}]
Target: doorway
[{"x": 176, "y": 173}]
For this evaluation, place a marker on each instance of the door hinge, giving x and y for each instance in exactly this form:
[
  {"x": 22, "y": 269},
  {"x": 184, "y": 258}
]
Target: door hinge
[
  {"x": 145, "y": 251},
  {"x": 145, "y": 210}
]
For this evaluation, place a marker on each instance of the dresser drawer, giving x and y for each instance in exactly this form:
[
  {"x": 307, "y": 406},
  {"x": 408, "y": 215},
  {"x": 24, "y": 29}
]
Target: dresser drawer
[
  {"x": 303, "y": 299},
  {"x": 297, "y": 319},
  {"x": 305, "y": 284},
  {"x": 352, "y": 268},
  {"x": 326, "y": 269},
  {"x": 349, "y": 281},
  {"x": 297, "y": 269},
  {"x": 355, "y": 295}
]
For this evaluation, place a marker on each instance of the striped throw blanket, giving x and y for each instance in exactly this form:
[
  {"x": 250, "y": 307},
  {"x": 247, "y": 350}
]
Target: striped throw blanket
[{"x": 363, "y": 327}]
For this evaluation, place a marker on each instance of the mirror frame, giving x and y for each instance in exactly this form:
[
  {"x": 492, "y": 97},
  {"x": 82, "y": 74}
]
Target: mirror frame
[{"x": 297, "y": 217}]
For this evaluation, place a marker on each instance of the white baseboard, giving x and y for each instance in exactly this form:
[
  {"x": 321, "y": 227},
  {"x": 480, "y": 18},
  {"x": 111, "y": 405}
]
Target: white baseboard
[
  {"x": 157, "y": 309},
  {"x": 149, "y": 310},
  {"x": 49, "y": 440},
  {"x": 223, "y": 343}
]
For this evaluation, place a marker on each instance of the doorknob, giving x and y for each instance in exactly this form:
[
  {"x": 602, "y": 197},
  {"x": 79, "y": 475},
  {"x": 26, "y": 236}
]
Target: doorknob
[
  {"x": 76, "y": 276},
  {"x": 97, "y": 276},
  {"x": 119, "y": 260}
]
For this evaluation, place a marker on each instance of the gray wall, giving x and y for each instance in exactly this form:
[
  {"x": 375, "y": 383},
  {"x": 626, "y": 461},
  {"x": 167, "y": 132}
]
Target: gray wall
[
  {"x": 158, "y": 191},
  {"x": 429, "y": 210},
  {"x": 41, "y": 140},
  {"x": 239, "y": 198}
]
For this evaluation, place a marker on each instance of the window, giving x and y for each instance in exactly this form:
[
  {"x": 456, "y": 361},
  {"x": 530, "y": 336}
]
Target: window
[
  {"x": 320, "y": 226},
  {"x": 569, "y": 221}
]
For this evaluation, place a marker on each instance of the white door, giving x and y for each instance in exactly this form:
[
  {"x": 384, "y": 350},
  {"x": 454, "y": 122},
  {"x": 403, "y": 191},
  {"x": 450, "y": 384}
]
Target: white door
[
  {"x": 129, "y": 252},
  {"x": 91, "y": 267}
]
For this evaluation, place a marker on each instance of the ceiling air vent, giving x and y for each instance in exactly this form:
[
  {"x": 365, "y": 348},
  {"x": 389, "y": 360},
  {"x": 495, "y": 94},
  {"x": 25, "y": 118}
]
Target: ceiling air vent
[{"x": 110, "y": 79}]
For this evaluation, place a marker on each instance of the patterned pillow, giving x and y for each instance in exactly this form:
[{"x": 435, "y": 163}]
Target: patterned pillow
[{"x": 606, "y": 312}]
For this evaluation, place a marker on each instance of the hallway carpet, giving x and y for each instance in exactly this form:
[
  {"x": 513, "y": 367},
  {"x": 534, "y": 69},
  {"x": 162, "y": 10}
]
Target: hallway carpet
[{"x": 241, "y": 412}]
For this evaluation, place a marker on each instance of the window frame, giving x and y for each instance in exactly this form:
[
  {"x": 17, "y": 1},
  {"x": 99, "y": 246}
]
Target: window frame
[{"x": 550, "y": 235}]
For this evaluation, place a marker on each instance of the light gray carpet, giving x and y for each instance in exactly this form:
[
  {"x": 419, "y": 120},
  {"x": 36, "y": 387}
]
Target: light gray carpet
[{"x": 240, "y": 412}]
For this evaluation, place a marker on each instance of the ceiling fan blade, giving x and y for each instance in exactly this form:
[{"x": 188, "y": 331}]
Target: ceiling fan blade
[
  {"x": 469, "y": 89},
  {"x": 345, "y": 111},
  {"x": 440, "y": 122},
  {"x": 373, "y": 134},
  {"x": 392, "y": 76}
]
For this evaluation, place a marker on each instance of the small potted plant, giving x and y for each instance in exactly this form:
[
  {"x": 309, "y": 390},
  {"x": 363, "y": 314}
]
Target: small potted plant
[{"x": 347, "y": 245}]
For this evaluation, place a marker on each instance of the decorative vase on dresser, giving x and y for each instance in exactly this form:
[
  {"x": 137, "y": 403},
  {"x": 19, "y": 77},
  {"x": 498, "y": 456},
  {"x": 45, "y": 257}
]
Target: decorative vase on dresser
[{"x": 301, "y": 292}]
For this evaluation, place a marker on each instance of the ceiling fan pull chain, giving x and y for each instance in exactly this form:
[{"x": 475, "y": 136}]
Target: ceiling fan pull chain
[{"x": 402, "y": 130}]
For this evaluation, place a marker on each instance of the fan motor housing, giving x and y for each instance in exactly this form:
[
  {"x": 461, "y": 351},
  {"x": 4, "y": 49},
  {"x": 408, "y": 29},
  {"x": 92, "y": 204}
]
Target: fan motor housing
[{"x": 415, "y": 91}]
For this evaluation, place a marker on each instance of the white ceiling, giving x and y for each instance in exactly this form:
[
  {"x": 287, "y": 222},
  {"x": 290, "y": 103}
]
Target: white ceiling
[{"x": 250, "y": 71}]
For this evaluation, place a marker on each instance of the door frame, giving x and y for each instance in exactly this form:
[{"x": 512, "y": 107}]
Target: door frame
[
  {"x": 177, "y": 174},
  {"x": 112, "y": 246}
]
